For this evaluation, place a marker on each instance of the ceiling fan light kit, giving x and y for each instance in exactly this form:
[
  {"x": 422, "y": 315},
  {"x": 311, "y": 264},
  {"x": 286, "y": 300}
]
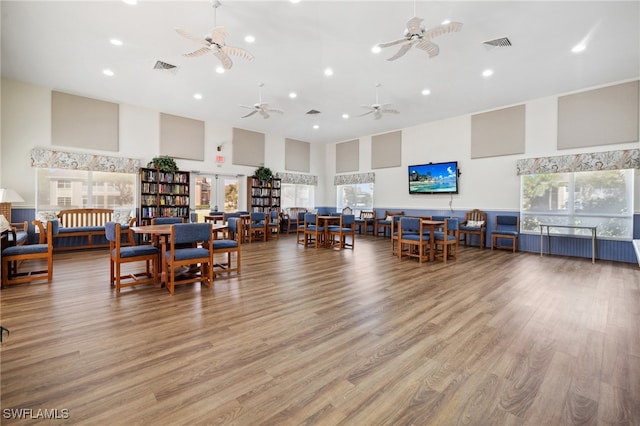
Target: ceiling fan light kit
[
  {"x": 260, "y": 107},
  {"x": 378, "y": 109}
]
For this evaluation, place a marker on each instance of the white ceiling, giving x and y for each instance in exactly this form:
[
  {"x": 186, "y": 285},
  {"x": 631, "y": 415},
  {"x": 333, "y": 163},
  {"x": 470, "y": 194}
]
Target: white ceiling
[{"x": 65, "y": 46}]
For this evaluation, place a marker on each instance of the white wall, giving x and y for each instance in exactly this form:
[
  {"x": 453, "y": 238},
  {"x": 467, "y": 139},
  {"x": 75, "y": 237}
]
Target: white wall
[
  {"x": 487, "y": 183},
  {"x": 26, "y": 124}
]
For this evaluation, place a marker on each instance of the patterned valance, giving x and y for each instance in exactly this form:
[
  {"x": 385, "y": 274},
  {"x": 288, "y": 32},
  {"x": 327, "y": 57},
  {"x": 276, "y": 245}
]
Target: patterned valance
[
  {"x": 49, "y": 158},
  {"x": 297, "y": 178},
  {"x": 609, "y": 160},
  {"x": 354, "y": 178}
]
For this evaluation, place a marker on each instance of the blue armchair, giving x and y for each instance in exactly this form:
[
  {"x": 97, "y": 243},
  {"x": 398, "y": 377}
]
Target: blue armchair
[{"x": 506, "y": 229}]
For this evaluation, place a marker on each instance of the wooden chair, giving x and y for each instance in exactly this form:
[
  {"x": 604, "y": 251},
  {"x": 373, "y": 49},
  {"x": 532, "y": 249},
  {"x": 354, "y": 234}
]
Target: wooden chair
[
  {"x": 506, "y": 228},
  {"x": 300, "y": 228},
  {"x": 273, "y": 225},
  {"x": 226, "y": 247},
  {"x": 13, "y": 255},
  {"x": 447, "y": 240},
  {"x": 338, "y": 233},
  {"x": 291, "y": 218},
  {"x": 367, "y": 218},
  {"x": 412, "y": 240},
  {"x": 395, "y": 234},
  {"x": 168, "y": 220},
  {"x": 313, "y": 231},
  {"x": 383, "y": 224},
  {"x": 200, "y": 237},
  {"x": 119, "y": 255},
  {"x": 258, "y": 226},
  {"x": 475, "y": 223}
]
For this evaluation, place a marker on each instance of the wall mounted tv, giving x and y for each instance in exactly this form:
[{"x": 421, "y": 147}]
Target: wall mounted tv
[{"x": 434, "y": 178}]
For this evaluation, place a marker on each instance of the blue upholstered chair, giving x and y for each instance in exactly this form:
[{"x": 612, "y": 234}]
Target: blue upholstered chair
[
  {"x": 257, "y": 226},
  {"x": 412, "y": 241},
  {"x": 18, "y": 234},
  {"x": 338, "y": 233},
  {"x": 25, "y": 254},
  {"x": 506, "y": 232},
  {"x": 119, "y": 255},
  {"x": 447, "y": 239},
  {"x": 168, "y": 220},
  {"x": 367, "y": 219},
  {"x": 395, "y": 221},
  {"x": 225, "y": 248},
  {"x": 313, "y": 231},
  {"x": 300, "y": 227},
  {"x": 200, "y": 237}
]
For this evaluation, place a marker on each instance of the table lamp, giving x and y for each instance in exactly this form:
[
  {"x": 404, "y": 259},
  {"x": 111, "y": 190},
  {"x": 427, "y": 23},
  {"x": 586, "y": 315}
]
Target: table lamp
[{"x": 8, "y": 196}]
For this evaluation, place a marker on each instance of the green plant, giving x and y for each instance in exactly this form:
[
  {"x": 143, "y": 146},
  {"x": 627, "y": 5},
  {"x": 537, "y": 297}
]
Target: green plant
[
  {"x": 264, "y": 173},
  {"x": 163, "y": 163}
]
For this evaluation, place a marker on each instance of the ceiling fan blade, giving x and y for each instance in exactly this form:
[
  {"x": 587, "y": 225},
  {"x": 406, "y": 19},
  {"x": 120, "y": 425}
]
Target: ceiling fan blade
[
  {"x": 401, "y": 52},
  {"x": 236, "y": 51},
  {"x": 393, "y": 43},
  {"x": 245, "y": 106},
  {"x": 366, "y": 113},
  {"x": 224, "y": 58},
  {"x": 218, "y": 35},
  {"x": 431, "y": 48},
  {"x": 389, "y": 110},
  {"x": 451, "y": 27},
  {"x": 191, "y": 37},
  {"x": 279, "y": 111},
  {"x": 250, "y": 114},
  {"x": 413, "y": 25},
  {"x": 199, "y": 52}
]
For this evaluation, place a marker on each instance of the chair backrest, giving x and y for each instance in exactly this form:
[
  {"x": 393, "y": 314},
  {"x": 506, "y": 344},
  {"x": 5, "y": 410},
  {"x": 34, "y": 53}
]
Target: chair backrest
[
  {"x": 347, "y": 210},
  {"x": 367, "y": 214},
  {"x": 234, "y": 226},
  {"x": 274, "y": 216},
  {"x": 301, "y": 215},
  {"x": 110, "y": 231},
  {"x": 409, "y": 224},
  {"x": 476, "y": 215},
  {"x": 226, "y": 215},
  {"x": 55, "y": 227},
  {"x": 507, "y": 223},
  {"x": 257, "y": 217},
  {"x": 452, "y": 224},
  {"x": 310, "y": 219},
  {"x": 169, "y": 220},
  {"x": 348, "y": 220},
  {"x": 190, "y": 232}
]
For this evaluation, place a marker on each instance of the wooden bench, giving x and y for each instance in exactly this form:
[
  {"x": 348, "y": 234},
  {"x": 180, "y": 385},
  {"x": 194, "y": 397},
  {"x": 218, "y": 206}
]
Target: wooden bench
[{"x": 87, "y": 226}]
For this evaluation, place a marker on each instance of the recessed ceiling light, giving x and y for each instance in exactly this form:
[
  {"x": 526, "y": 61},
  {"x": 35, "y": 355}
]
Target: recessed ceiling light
[
  {"x": 116, "y": 42},
  {"x": 579, "y": 48},
  {"x": 197, "y": 96},
  {"x": 220, "y": 70},
  {"x": 316, "y": 127},
  {"x": 487, "y": 73},
  {"x": 345, "y": 116},
  {"x": 108, "y": 72},
  {"x": 328, "y": 72},
  {"x": 445, "y": 22},
  {"x": 426, "y": 92},
  {"x": 131, "y": 2},
  {"x": 376, "y": 49},
  {"x": 249, "y": 39},
  {"x": 293, "y": 95}
]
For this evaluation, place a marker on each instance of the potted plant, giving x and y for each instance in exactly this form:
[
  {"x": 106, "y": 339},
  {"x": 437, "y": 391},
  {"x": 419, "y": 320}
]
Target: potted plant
[
  {"x": 264, "y": 174},
  {"x": 164, "y": 164}
]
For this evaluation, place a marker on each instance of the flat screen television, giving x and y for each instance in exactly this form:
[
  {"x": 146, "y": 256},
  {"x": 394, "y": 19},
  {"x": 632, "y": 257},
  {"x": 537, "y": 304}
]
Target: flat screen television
[{"x": 434, "y": 178}]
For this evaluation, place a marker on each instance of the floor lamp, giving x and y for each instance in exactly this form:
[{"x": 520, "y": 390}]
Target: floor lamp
[{"x": 8, "y": 196}]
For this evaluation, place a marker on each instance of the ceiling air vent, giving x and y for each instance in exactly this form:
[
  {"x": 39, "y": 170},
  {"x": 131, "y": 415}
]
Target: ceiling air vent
[
  {"x": 312, "y": 112},
  {"x": 499, "y": 42},
  {"x": 163, "y": 66}
]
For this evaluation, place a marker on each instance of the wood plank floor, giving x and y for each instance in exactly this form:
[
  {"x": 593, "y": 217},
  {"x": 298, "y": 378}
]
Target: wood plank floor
[{"x": 331, "y": 338}]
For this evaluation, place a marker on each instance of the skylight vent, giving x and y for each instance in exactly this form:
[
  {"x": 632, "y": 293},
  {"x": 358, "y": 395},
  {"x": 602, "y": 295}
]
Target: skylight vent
[
  {"x": 499, "y": 42},
  {"x": 163, "y": 66},
  {"x": 312, "y": 112}
]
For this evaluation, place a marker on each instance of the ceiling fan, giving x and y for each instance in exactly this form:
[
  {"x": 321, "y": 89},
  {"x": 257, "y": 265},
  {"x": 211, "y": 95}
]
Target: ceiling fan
[
  {"x": 215, "y": 43},
  {"x": 378, "y": 109},
  {"x": 261, "y": 107},
  {"x": 416, "y": 35}
]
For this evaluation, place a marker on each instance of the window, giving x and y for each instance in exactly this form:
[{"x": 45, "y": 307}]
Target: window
[
  {"x": 61, "y": 188},
  {"x": 296, "y": 195},
  {"x": 358, "y": 196},
  {"x": 598, "y": 198}
]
